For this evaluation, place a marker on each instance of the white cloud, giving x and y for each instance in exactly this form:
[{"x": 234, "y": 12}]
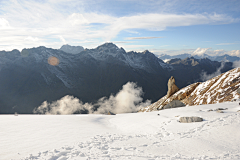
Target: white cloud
[
  {"x": 127, "y": 100},
  {"x": 62, "y": 39},
  {"x": 171, "y": 52},
  {"x": 221, "y": 52},
  {"x": 30, "y": 38},
  {"x": 236, "y": 64},
  {"x": 47, "y": 20},
  {"x": 204, "y": 76},
  {"x": 133, "y": 38},
  {"x": 200, "y": 51},
  {"x": 78, "y": 19},
  {"x": 4, "y": 24},
  {"x": 234, "y": 53}
]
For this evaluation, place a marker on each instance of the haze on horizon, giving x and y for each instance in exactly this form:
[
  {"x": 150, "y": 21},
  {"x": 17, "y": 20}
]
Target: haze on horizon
[{"x": 160, "y": 26}]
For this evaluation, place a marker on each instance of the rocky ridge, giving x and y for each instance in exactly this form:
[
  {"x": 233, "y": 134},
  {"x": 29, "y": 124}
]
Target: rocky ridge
[
  {"x": 216, "y": 90},
  {"x": 72, "y": 49}
]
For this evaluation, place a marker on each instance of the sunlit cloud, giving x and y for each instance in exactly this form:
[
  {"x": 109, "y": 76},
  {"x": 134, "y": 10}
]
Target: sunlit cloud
[
  {"x": 198, "y": 51},
  {"x": 30, "y": 38},
  {"x": 54, "y": 23},
  {"x": 4, "y": 24},
  {"x": 62, "y": 39}
]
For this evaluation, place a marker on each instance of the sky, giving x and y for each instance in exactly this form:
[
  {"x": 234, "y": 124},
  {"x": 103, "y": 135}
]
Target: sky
[{"x": 160, "y": 26}]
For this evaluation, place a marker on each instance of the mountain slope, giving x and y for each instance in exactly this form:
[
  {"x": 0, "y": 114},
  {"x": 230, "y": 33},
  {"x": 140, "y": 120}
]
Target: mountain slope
[{"x": 216, "y": 90}]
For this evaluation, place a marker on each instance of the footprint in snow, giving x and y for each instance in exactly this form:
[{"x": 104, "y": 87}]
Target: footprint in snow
[
  {"x": 145, "y": 145},
  {"x": 115, "y": 148},
  {"x": 130, "y": 148},
  {"x": 105, "y": 152}
]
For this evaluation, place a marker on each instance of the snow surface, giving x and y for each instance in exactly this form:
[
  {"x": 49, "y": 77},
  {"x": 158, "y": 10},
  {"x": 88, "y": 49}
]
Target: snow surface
[{"x": 124, "y": 136}]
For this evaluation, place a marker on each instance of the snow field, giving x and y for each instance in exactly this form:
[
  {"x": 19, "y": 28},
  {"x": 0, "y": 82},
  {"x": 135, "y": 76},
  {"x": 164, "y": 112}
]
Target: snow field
[{"x": 124, "y": 136}]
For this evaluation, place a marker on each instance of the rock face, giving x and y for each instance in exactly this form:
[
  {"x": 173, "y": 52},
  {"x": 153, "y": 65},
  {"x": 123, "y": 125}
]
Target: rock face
[
  {"x": 222, "y": 88},
  {"x": 72, "y": 49},
  {"x": 190, "y": 119},
  {"x": 172, "y": 87},
  {"x": 110, "y": 113},
  {"x": 174, "y": 104},
  {"x": 238, "y": 91}
]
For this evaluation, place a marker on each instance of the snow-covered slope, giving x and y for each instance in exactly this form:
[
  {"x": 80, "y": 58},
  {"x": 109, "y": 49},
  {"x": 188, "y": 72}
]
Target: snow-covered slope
[
  {"x": 139, "y": 136},
  {"x": 216, "y": 90}
]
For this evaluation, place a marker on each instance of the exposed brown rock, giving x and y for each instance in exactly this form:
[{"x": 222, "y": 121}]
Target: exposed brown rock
[
  {"x": 110, "y": 113},
  {"x": 172, "y": 87},
  {"x": 222, "y": 88},
  {"x": 174, "y": 104}
]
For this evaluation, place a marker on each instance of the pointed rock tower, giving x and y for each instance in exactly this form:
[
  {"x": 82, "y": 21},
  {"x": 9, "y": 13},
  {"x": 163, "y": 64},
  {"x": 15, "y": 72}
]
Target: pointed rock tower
[{"x": 172, "y": 87}]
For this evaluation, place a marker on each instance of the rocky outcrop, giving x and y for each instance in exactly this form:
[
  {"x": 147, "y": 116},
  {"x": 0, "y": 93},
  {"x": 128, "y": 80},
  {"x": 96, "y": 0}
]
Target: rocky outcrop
[
  {"x": 172, "y": 87},
  {"x": 110, "y": 113},
  {"x": 190, "y": 119},
  {"x": 180, "y": 95},
  {"x": 238, "y": 91},
  {"x": 222, "y": 88},
  {"x": 174, "y": 104}
]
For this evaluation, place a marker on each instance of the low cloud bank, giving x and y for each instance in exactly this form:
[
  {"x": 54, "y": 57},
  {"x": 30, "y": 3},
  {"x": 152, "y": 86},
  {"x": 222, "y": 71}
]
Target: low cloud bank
[
  {"x": 205, "y": 76},
  {"x": 127, "y": 100},
  {"x": 199, "y": 52},
  {"x": 236, "y": 64}
]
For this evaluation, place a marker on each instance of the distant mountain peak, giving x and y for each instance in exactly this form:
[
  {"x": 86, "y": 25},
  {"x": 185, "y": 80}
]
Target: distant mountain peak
[
  {"x": 72, "y": 49},
  {"x": 225, "y": 58},
  {"x": 147, "y": 52},
  {"x": 108, "y": 45}
]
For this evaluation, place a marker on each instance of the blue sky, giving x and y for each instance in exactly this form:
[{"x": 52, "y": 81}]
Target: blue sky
[{"x": 161, "y": 26}]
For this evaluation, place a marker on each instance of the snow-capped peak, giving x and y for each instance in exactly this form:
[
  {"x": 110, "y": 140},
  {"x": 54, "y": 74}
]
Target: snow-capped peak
[
  {"x": 107, "y": 46},
  {"x": 72, "y": 49}
]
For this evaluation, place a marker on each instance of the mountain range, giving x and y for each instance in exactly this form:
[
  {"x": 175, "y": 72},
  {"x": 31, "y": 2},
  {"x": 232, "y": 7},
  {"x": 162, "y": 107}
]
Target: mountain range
[
  {"x": 28, "y": 77},
  {"x": 224, "y": 58}
]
